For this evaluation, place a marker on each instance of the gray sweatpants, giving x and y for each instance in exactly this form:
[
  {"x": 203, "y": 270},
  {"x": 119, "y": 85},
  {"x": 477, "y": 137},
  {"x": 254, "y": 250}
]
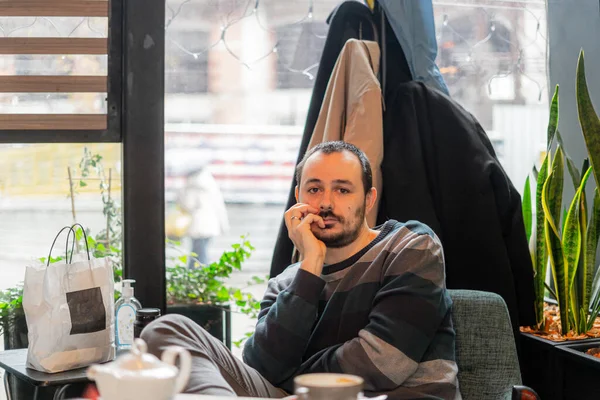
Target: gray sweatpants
[{"x": 215, "y": 370}]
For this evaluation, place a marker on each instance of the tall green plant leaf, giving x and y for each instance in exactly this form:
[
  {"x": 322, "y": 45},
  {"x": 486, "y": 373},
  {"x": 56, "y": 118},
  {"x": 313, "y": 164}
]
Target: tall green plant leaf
[
  {"x": 551, "y": 202},
  {"x": 571, "y": 245},
  {"x": 540, "y": 260},
  {"x": 580, "y": 286},
  {"x": 574, "y": 172},
  {"x": 555, "y": 202},
  {"x": 553, "y": 122},
  {"x": 527, "y": 218},
  {"x": 585, "y": 165},
  {"x": 595, "y": 300},
  {"x": 593, "y": 235},
  {"x": 588, "y": 119}
]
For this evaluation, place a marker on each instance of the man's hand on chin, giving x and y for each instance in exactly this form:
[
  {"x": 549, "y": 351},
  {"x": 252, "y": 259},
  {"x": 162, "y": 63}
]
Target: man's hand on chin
[{"x": 298, "y": 220}]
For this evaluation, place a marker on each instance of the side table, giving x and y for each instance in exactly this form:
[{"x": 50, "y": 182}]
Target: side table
[{"x": 14, "y": 362}]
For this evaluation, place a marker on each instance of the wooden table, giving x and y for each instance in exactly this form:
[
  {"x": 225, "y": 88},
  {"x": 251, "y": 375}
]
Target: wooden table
[{"x": 15, "y": 362}]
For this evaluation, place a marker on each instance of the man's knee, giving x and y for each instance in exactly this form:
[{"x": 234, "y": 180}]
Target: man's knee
[{"x": 169, "y": 330}]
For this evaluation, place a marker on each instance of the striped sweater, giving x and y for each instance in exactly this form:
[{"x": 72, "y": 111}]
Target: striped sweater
[{"x": 383, "y": 314}]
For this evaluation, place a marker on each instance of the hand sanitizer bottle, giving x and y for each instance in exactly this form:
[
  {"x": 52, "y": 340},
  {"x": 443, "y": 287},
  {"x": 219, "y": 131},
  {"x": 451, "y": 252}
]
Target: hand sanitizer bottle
[{"x": 126, "y": 308}]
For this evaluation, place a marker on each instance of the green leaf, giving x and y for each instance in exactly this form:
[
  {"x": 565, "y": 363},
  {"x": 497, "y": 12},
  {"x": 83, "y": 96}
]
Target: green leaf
[
  {"x": 593, "y": 235},
  {"x": 237, "y": 295},
  {"x": 540, "y": 260},
  {"x": 78, "y": 233},
  {"x": 588, "y": 119},
  {"x": 82, "y": 184},
  {"x": 223, "y": 294},
  {"x": 527, "y": 218},
  {"x": 571, "y": 247},
  {"x": 581, "y": 283},
  {"x": 585, "y": 165},
  {"x": 553, "y": 120},
  {"x": 555, "y": 180},
  {"x": 551, "y": 202},
  {"x": 595, "y": 300},
  {"x": 91, "y": 241},
  {"x": 574, "y": 172}
]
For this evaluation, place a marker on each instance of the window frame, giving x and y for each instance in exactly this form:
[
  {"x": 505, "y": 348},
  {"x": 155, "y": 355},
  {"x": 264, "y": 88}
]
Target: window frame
[{"x": 135, "y": 118}]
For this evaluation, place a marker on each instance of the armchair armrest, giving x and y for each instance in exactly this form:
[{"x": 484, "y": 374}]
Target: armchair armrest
[{"x": 524, "y": 393}]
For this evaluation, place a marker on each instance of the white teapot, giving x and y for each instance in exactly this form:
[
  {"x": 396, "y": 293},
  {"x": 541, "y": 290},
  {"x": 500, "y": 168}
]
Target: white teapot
[{"x": 140, "y": 375}]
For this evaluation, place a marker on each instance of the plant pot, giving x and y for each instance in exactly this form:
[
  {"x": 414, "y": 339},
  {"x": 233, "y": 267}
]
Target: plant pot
[
  {"x": 580, "y": 370},
  {"x": 216, "y": 320},
  {"x": 15, "y": 332},
  {"x": 543, "y": 367}
]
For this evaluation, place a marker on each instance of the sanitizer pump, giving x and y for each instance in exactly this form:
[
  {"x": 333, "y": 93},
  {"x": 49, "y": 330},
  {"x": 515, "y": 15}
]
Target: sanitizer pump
[{"x": 125, "y": 308}]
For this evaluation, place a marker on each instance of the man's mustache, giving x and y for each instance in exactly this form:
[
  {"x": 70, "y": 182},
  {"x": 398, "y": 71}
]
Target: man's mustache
[{"x": 327, "y": 214}]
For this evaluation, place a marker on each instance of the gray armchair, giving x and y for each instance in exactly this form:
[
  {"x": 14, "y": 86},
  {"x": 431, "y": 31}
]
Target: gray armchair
[{"x": 488, "y": 366}]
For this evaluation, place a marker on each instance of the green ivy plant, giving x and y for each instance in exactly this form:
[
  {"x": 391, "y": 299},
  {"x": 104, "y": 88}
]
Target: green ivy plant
[{"x": 205, "y": 284}]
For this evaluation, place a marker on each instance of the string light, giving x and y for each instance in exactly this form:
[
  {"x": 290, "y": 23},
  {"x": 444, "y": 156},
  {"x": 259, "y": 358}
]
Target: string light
[{"x": 476, "y": 60}]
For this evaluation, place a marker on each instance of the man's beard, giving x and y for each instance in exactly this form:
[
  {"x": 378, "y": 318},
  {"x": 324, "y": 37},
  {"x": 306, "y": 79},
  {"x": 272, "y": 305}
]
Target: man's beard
[{"x": 348, "y": 234}]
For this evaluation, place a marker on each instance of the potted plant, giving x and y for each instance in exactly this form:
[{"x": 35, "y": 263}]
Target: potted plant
[
  {"x": 200, "y": 293},
  {"x": 14, "y": 328},
  {"x": 565, "y": 239},
  {"x": 12, "y": 318}
]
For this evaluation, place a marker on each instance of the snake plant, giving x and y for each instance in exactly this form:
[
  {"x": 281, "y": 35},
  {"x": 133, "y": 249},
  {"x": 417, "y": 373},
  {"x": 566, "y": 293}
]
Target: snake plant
[{"x": 569, "y": 245}]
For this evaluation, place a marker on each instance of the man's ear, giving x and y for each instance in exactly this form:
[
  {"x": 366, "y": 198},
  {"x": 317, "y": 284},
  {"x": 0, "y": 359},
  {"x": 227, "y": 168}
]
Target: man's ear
[
  {"x": 370, "y": 199},
  {"x": 296, "y": 193}
]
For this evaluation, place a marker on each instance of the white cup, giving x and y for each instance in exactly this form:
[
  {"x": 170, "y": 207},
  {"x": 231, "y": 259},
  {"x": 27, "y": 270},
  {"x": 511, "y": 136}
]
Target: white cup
[{"x": 327, "y": 386}]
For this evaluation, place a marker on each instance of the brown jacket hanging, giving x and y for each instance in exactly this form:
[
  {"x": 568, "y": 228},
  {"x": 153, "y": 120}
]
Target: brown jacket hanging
[{"x": 352, "y": 107}]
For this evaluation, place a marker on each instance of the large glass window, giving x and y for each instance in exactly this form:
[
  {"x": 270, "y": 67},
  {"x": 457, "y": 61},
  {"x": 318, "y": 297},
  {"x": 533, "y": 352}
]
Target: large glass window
[
  {"x": 239, "y": 80},
  {"x": 492, "y": 55}
]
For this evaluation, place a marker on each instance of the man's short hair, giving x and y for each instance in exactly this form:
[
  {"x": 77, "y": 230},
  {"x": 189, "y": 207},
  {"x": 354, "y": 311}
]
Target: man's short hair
[{"x": 338, "y": 147}]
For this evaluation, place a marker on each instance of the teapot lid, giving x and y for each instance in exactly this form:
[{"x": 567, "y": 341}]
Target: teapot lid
[{"x": 138, "y": 358}]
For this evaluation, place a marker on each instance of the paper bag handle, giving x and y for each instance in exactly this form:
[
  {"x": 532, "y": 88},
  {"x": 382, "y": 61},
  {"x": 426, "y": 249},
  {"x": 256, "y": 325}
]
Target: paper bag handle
[
  {"x": 87, "y": 248},
  {"x": 66, "y": 246},
  {"x": 70, "y": 228}
]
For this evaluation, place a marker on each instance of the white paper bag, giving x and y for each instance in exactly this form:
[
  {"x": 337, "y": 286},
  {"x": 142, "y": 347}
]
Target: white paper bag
[{"x": 69, "y": 308}]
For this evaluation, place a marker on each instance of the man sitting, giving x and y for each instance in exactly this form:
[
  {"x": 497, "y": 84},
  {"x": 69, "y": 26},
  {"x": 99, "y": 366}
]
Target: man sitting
[{"x": 368, "y": 302}]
